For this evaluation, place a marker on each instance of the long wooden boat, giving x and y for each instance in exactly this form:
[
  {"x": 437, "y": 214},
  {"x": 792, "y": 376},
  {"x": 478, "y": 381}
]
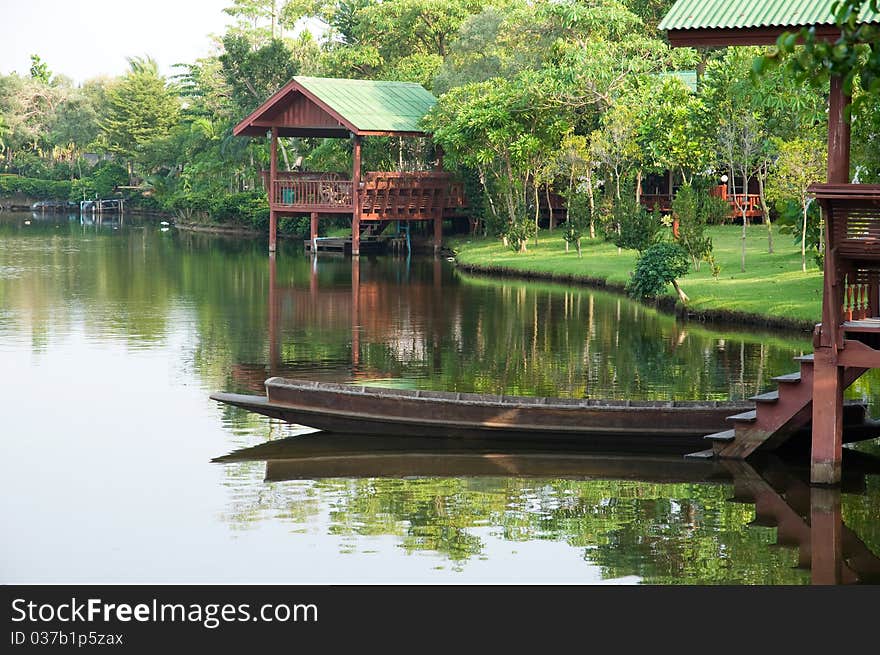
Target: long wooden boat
[{"x": 379, "y": 411}]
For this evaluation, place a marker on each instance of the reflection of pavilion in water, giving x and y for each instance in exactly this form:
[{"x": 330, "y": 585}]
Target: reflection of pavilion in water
[
  {"x": 805, "y": 518},
  {"x": 368, "y": 306}
]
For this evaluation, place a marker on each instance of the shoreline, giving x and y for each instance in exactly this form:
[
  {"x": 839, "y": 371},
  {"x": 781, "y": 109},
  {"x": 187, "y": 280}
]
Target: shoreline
[{"x": 667, "y": 303}]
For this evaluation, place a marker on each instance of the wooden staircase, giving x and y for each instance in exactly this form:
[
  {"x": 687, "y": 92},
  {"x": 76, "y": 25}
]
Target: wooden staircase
[{"x": 778, "y": 414}]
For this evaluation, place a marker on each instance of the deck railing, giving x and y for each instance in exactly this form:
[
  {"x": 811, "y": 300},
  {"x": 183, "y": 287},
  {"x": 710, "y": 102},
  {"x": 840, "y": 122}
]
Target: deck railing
[{"x": 312, "y": 193}]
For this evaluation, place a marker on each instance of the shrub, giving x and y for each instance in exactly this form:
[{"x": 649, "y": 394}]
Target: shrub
[
  {"x": 658, "y": 266},
  {"x": 35, "y": 188},
  {"x": 691, "y": 211},
  {"x": 637, "y": 227}
]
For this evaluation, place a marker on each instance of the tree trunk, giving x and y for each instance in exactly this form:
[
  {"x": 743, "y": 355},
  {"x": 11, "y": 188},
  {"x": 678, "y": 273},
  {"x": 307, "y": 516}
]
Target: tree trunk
[
  {"x": 681, "y": 294},
  {"x": 764, "y": 209},
  {"x": 550, "y": 208},
  {"x": 537, "y": 210},
  {"x": 577, "y": 244},
  {"x": 592, "y": 203}
]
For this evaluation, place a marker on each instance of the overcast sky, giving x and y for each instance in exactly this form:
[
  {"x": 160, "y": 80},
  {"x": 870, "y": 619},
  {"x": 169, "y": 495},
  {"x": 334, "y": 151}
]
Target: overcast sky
[{"x": 88, "y": 38}]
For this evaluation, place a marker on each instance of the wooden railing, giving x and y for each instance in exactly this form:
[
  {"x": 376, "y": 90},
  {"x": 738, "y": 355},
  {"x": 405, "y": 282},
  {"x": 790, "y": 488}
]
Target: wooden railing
[
  {"x": 405, "y": 196},
  {"x": 751, "y": 202},
  {"x": 651, "y": 200},
  {"x": 384, "y": 195},
  {"x": 316, "y": 194},
  {"x": 852, "y": 254}
]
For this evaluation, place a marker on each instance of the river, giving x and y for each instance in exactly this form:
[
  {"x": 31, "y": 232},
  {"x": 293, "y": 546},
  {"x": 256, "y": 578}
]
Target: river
[{"x": 113, "y": 334}]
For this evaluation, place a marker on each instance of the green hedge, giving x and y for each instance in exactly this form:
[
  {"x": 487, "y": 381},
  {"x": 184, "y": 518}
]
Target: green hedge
[{"x": 33, "y": 188}]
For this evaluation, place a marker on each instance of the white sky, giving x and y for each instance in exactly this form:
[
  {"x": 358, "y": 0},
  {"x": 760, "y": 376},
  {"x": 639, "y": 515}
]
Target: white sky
[{"x": 83, "y": 39}]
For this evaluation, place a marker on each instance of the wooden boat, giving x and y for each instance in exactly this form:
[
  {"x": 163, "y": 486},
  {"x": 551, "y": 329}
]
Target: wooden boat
[{"x": 610, "y": 424}]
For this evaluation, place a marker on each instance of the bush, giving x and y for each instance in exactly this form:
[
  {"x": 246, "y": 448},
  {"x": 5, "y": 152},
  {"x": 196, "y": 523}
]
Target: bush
[
  {"x": 691, "y": 211},
  {"x": 658, "y": 266},
  {"x": 637, "y": 227},
  {"x": 35, "y": 188},
  {"x": 249, "y": 208}
]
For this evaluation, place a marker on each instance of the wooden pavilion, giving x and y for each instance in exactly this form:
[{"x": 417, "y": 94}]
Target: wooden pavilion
[
  {"x": 351, "y": 109},
  {"x": 847, "y": 341}
]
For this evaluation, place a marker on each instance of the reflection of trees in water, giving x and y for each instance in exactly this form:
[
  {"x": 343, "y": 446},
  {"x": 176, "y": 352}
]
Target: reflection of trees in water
[
  {"x": 663, "y": 533},
  {"x": 419, "y": 321}
]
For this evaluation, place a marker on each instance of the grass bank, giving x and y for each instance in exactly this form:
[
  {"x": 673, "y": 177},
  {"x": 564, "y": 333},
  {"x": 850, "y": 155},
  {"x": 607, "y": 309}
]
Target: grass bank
[{"x": 773, "y": 291}]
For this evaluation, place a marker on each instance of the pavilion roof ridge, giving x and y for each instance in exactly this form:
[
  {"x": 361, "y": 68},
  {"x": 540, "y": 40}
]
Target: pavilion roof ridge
[{"x": 750, "y": 14}]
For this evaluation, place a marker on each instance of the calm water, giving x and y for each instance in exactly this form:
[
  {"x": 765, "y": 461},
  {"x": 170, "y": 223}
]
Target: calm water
[{"x": 112, "y": 336}]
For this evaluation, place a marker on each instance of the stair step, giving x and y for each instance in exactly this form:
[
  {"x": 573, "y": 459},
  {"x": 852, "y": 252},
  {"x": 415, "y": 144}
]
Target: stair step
[
  {"x": 701, "y": 454},
  {"x": 763, "y": 522},
  {"x": 745, "y": 416},
  {"x": 789, "y": 377},
  {"x": 769, "y": 397},
  {"x": 725, "y": 435},
  {"x": 804, "y": 358}
]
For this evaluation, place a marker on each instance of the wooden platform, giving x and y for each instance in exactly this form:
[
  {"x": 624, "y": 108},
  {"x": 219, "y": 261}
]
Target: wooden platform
[{"x": 343, "y": 245}]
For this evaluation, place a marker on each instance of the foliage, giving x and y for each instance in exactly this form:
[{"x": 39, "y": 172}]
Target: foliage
[
  {"x": 691, "y": 211},
  {"x": 854, "y": 55},
  {"x": 141, "y": 110},
  {"x": 637, "y": 227},
  {"x": 801, "y": 162},
  {"x": 658, "y": 266},
  {"x": 253, "y": 74},
  {"x": 34, "y": 188}
]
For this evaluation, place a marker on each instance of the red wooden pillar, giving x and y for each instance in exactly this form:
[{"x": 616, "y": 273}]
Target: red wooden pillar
[
  {"x": 827, "y": 444},
  {"x": 273, "y": 171},
  {"x": 438, "y": 231},
  {"x": 356, "y": 198},
  {"x": 827, "y": 441},
  {"x": 826, "y": 537},
  {"x": 274, "y": 345},
  {"x": 313, "y": 232},
  {"x": 438, "y": 164},
  {"x": 355, "y": 315}
]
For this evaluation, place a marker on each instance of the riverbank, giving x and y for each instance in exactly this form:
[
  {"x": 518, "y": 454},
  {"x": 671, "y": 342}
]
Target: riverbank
[{"x": 773, "y": 292}]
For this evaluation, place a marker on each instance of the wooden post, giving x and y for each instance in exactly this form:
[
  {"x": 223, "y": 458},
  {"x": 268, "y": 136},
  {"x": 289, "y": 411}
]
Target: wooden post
[
  {"x": 438, "y": 232},
  {"x": 838, "y": 133},
  {"x": 274, "y": 346},
  {"x": 273, "y": 171},
  {"x": 827, "y": 438},
  {"x": 827, "y": 444},
  {"x": 356, "y": 198},
  {"x": 826, "y": 537},
  {"x": 438, "y": 164},
  {"x": 313, "y": 232},
  {"x": 355, "y": 314}
]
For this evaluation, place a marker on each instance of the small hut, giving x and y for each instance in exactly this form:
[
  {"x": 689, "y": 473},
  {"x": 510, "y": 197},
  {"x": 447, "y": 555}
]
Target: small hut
[{"x": 351, "y": 109}]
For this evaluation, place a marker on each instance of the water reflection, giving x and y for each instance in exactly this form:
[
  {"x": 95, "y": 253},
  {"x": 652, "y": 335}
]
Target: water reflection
[
  {"x": 662, "y": 519},
  {"x": 129, "y": 329}
]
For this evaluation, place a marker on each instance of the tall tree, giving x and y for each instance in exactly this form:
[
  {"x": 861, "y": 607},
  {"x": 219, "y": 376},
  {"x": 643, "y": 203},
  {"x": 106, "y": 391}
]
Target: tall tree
[
  {"x": 801, "y": 162},
  {"x": 141, "y": 110}
]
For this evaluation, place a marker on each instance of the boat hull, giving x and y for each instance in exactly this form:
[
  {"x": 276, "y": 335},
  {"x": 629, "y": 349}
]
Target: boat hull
[{"x": 394, "y": 412}]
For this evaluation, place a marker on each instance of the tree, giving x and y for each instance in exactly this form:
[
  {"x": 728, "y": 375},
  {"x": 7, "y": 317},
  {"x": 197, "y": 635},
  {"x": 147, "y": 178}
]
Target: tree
[
  {"x": 741, "y": 140},
  {"x": 659, "y": 265},
  {"x": 801, "y": 162},
  {"x": 141, "y": 110},
  {"x": 854, "y": 56},
  {"x": 497, "y": 128},
  {"x": 690, "y": 210}
]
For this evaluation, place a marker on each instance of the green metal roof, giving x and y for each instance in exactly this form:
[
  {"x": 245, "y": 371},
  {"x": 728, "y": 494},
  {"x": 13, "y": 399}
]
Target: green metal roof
[
  {"x": 372, "y": 105},
  {"x": 744, "y": 14}
]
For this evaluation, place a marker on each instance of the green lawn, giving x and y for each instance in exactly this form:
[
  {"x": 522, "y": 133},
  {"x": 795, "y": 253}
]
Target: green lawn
[{"x": 773, "y": 286}]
